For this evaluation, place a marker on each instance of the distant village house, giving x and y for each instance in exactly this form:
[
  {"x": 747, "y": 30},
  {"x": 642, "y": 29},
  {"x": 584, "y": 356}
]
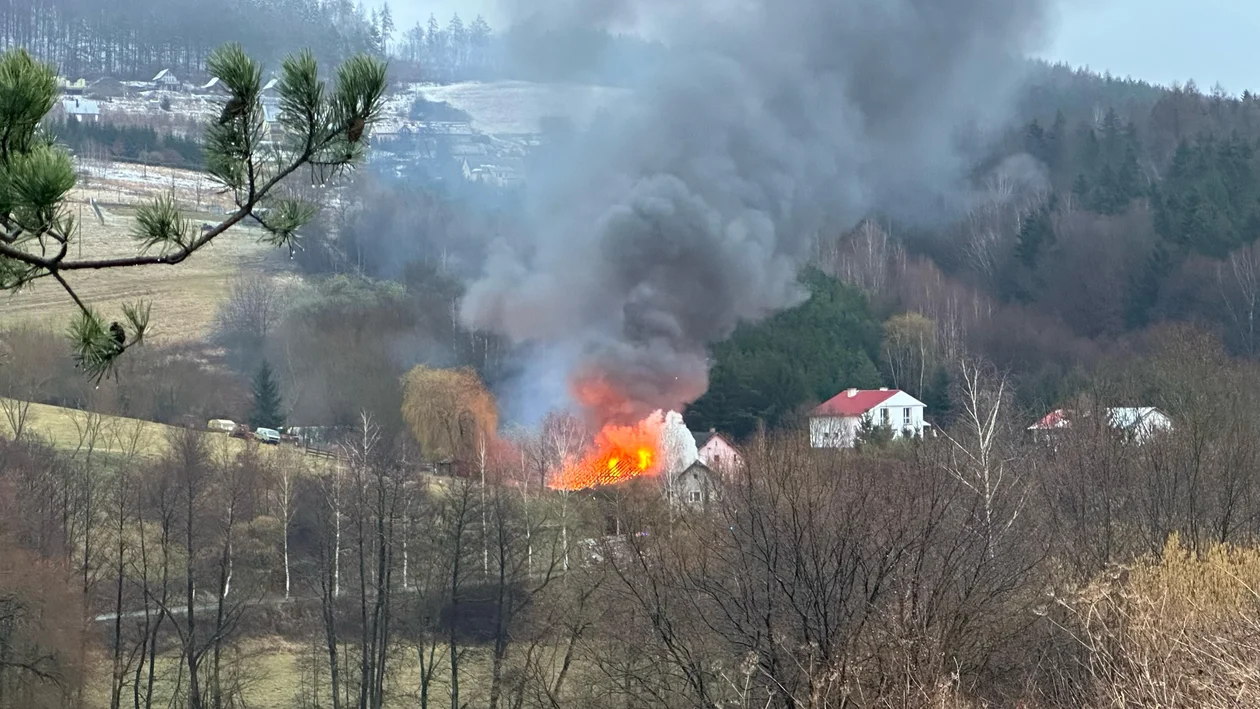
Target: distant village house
[
  {"x": 695, "y": 487},
  {"x": 837, "y": 422},
  {"x": 716, "y": 452},
  {"x": 81, "y": 109},
  {"x": 165, "y": 80},
  {"x": 1138, "y": 423},
  {"x": 72, "y": 88}
]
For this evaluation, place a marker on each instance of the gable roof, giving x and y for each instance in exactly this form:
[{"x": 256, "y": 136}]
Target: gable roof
[
  {"x": 1134, "y": 416},
  {"x": 698, "y": 467},
  {"x": 1055, "y": 419},
  {"x": 161, "y": 75},
  {"x": 854, "y": 402},
  {"x": 80, "y": 106},
  {"x": 1124, "y": 417}
]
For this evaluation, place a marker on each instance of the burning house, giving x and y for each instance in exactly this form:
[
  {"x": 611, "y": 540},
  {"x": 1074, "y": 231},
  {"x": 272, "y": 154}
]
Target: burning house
[{"x": 659, "y": 446}]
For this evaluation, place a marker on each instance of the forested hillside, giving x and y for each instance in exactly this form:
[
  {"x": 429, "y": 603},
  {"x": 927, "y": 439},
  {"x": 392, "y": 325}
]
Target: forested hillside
[
  {"x": 1147, "y": 211},
  {"x": 137, "y": 38}
]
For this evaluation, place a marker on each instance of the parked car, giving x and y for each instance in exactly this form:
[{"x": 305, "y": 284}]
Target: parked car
[
  {"x": 221, "y": 425},
  {"x": 268, "y": 435},
  {"x": 241, "y": 431}
]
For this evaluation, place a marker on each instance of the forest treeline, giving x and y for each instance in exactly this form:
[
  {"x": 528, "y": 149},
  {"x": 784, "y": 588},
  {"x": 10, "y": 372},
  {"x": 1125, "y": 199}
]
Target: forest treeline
[
  {"x": 135, "y": 40},
  {"x": 143, "y": 144}
]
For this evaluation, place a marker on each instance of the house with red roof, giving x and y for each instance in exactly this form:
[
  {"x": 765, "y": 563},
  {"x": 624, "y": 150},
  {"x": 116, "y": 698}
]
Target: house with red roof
[
  {"x": 716, "y": 452},
  {"x": 1136, "y": 423},
  {"x": 835, "y": 423}
]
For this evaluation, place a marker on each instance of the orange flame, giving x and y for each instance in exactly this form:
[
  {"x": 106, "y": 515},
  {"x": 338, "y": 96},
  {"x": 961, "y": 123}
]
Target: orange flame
[{"x": 619, "y": 453}]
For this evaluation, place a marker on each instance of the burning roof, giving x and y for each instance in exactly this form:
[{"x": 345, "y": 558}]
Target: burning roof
[{"x": 658, "y": 443}]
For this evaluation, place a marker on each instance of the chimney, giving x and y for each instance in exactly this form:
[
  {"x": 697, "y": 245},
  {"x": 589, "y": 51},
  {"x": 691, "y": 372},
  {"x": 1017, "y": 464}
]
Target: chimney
[
  {"x": 852, "y": 393},
  {"x": 883, "y": 388},
  {"x": 712, "y": 430}
]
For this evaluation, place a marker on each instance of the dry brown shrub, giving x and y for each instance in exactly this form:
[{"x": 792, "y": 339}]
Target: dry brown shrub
[{"x": 1175, "y": 630}]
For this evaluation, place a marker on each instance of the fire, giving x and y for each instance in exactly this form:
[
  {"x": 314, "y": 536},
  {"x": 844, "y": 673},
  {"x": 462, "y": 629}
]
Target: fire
[{"x": 618, "y": 453}]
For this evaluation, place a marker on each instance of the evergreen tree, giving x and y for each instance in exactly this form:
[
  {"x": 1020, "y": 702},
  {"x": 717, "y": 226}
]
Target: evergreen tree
[
  {"x": 436, "y": 47},
  {"x": 1105, "y": 198},
  {"x": 863, "y": 374},
  {"x": 772, "y": 370},
  {"x": 1088, "y": 151},
  {"x": 1145, "y": 287},
  {"x": 1128, "y": 178},
  {"x": 1056, "y": 143},
  {"x": 267, "y": 411},
  {"x": 1035, "y": 142},
  {"x": 940, "y": 407},
  {"x": 1080, "y": 188},
  {"x": 1036, "y": 233},
  {"x": 871, "y": 434},
  {"x": 457, "y": 41},
  {"x": 1112, "y": 137},
  {"x": 386, "y": 23}
]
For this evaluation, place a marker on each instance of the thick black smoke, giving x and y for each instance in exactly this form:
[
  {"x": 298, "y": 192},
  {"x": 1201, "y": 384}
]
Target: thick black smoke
[{"x": 690, "y": 207}]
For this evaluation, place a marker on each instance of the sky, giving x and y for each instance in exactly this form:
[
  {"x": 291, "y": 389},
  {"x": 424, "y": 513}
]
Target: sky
[
  {"x": 1164, "y": 41},
  {"x": 1161, "y": 41}
]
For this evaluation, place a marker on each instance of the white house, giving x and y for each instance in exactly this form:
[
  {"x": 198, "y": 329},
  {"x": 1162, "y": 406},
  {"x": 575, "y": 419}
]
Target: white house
[
  {"x": 1137, "y": 422},
  {"x": 835, "y": 422},
  {"x": 715, "y": 451},
  {"x": 81, "y": 109},
  {"x": 165, "y": 80}
]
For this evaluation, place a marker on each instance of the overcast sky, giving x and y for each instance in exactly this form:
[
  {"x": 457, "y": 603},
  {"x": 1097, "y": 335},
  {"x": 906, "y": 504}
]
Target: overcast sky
[
  {"x": 1161, "y": 41},
  {"x": 1164, "y": 41}
]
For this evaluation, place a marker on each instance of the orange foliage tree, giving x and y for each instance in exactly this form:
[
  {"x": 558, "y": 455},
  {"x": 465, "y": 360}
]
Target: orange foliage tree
[{"x": 450, "y": 411}]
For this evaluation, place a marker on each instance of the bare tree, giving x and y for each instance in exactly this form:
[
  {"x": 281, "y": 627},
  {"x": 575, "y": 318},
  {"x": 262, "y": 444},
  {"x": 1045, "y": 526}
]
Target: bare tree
[
  {"x": 983, "y": 457},
  {"x": 248, "y": 316},
  {"x": 1238, "y": 280}
]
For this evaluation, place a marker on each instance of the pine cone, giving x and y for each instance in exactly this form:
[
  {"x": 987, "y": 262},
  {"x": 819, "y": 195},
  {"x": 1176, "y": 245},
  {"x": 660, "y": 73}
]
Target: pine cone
[
  {"x": 235, "y": 107},
  {"x": 356, "y": 129},
  {"x": 120, "y": 335}
]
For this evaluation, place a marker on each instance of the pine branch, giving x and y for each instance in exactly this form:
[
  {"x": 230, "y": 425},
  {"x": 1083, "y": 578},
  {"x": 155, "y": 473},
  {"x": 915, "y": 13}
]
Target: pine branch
[{"x": 322, "y": 129}]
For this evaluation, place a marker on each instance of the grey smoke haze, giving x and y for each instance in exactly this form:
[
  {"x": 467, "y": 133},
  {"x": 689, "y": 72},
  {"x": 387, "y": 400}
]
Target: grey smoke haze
[{"x": 692, "y": 206}]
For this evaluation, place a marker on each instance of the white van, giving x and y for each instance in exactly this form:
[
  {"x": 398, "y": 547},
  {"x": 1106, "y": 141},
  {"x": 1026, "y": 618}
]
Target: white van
[
  {"x": 221, "y": 425},
  {"x": 268, "y": 435}
]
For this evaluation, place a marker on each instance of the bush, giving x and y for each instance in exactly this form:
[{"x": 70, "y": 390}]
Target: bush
[
  {"x": 129, "y": 143},
  {"x": 1178, "y": 629},
  {"x": 424, "y": 110}
]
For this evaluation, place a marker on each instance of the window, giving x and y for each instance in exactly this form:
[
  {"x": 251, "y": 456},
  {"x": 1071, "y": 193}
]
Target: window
[
  {"x": 884, "y": 416},
  {"x": 694, "y": 495},
  {"x": 906, "y": 418}
]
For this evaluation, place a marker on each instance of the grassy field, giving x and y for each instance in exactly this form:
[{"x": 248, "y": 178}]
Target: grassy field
[
  {"x": 269, "y": 675},
  {"x": 184, "y": 297},
  {"x": 67, "y": 429},
  {"x": 270, "y": 672}
]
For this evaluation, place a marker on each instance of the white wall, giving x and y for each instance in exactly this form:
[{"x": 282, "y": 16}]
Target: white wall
[
  {"x": 903, "y": 411},
  {"x": 719, "y": 455},
  {"x": 833, "y": 431}
]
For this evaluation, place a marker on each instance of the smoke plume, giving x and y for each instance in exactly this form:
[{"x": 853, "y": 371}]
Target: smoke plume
[{"x": 690, "y": 207}]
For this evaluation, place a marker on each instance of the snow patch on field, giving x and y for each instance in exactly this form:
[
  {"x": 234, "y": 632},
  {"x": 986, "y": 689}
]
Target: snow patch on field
[{"x": 517, "y": 107}]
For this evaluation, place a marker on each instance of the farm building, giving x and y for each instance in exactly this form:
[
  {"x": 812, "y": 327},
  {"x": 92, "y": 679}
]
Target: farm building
[{"x": 81, "y": 109}]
